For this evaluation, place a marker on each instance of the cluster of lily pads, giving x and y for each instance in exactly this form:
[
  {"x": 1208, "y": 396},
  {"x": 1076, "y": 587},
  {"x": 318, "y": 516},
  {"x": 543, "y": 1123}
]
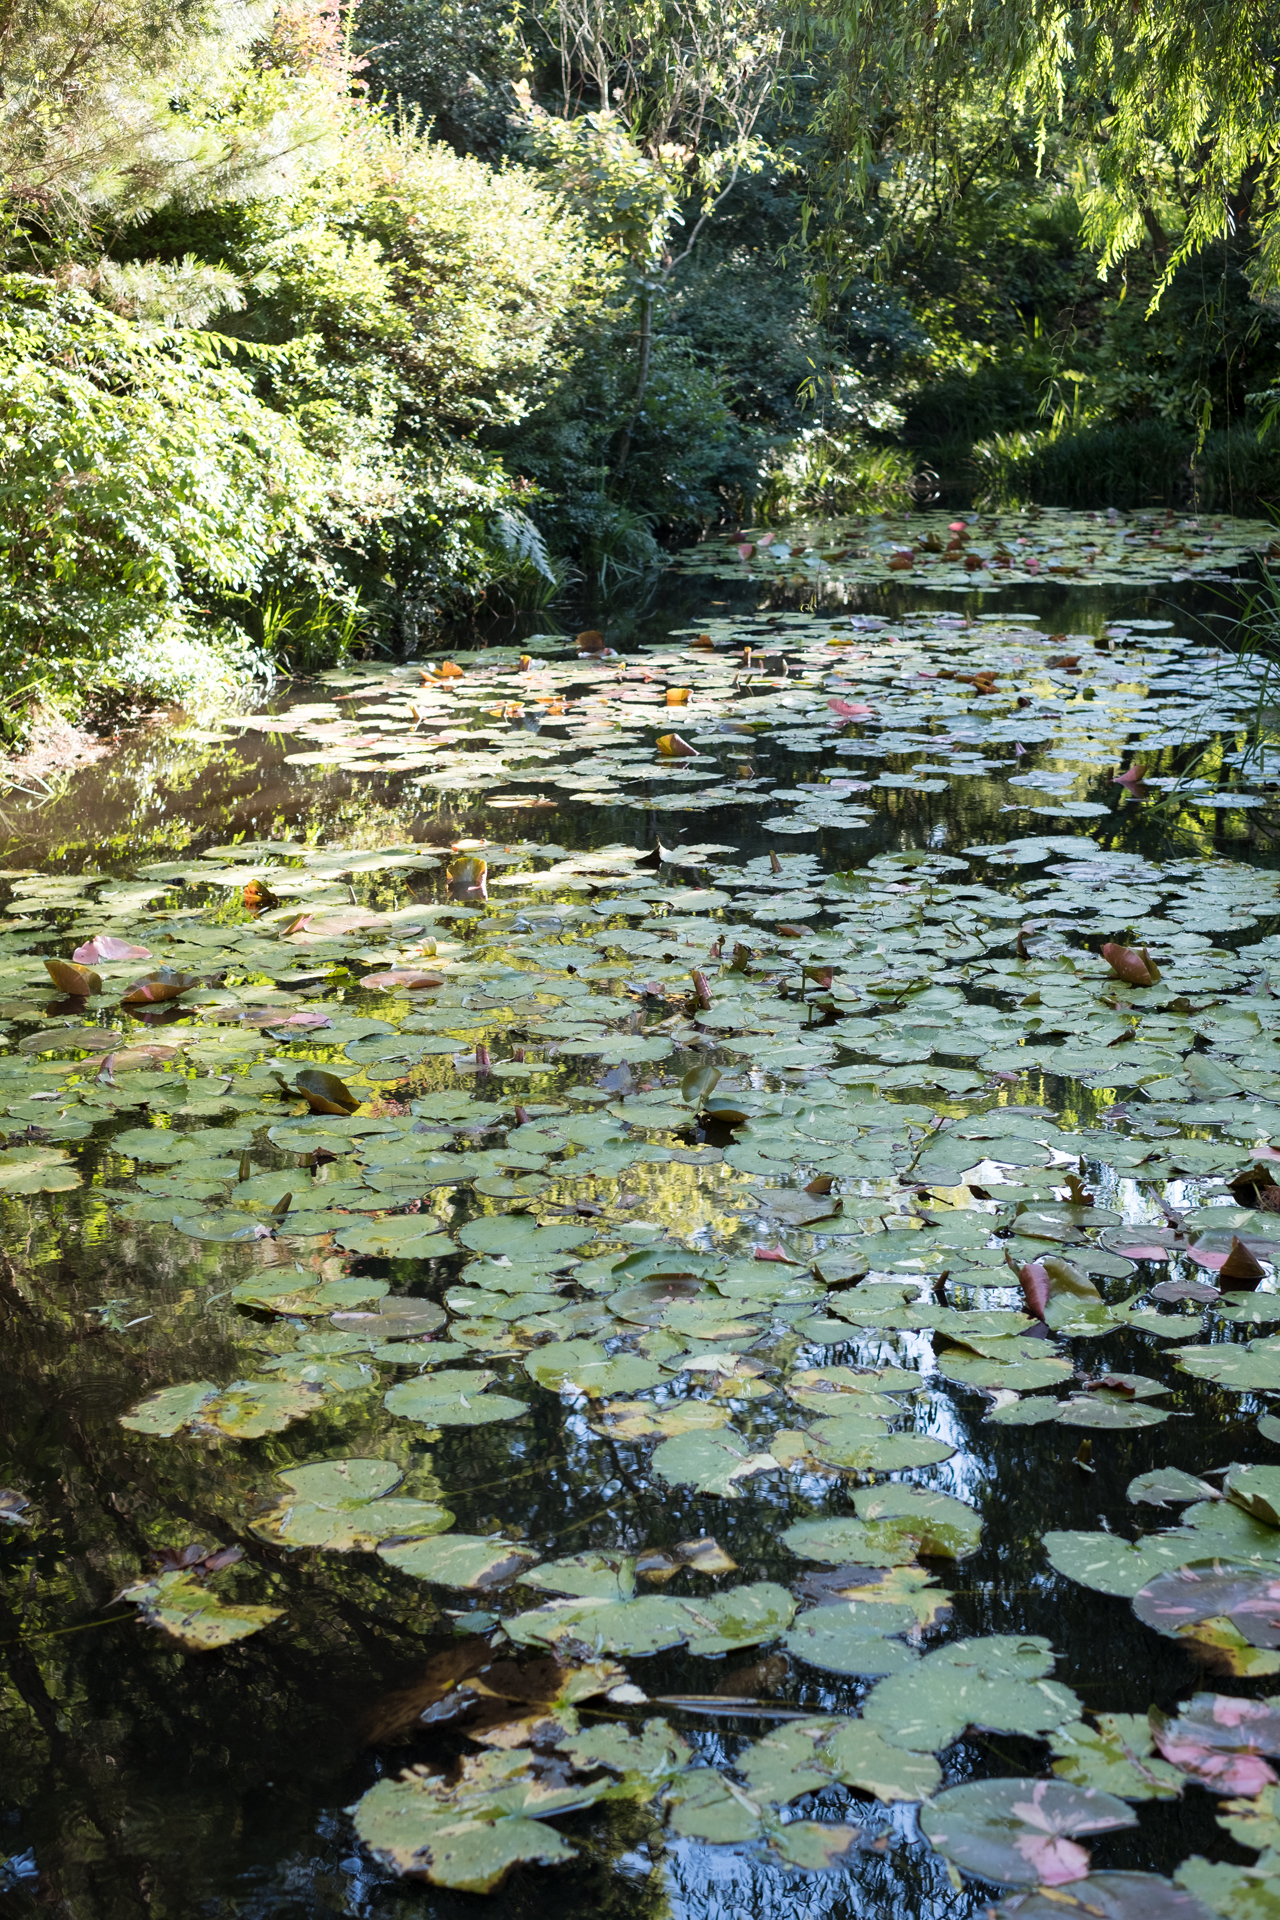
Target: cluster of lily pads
[
  {"x": 717, "y": 716},
  {"x": 992, "y": 550},
  {"x": 753, "y": 1167}
]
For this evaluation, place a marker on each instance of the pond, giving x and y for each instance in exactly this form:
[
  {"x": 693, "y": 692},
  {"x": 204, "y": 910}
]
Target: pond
[{"x": 640, "y": 1274}]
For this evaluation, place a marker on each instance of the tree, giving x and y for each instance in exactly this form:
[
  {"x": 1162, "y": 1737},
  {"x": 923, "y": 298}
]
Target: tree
[{"x": 1160, "y": 101}]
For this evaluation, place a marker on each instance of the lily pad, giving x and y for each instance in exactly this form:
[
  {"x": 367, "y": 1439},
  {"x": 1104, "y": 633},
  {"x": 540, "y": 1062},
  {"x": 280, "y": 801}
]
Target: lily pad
[
  {"x": 853, "y": 1639},
  {"x": 1109, "y": 1564},
  {"x": 246, "y": 1410},
  {"x": 710, "y": 1462},
  {"x": 460, "y": 1560},
  {"x": 452, "y": 1398},
  {"x": 181, "y": 1606},
  {"x": 997, "y": 1683},
  {"x": 1021, "y": 1832},
  {"x": 343, "y": 1505}
]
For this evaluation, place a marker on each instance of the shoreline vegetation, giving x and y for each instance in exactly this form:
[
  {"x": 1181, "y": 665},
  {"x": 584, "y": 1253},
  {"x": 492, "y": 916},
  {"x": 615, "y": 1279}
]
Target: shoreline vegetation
[{"x": 323, "y": 329}]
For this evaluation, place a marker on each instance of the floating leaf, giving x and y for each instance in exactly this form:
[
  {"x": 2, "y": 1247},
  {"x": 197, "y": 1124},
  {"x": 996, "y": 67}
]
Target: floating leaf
[
  {"x": 1109, "y": 1896},
  {"x": 324, "y": 1092},
  {"x": 710, "y": 1462},
  {"x": 1203, "y": 1589},
  {"x": 853, "y": 1639},
  {"x": 1020, "y": 1832},
  {"x": 714, "y": 1624},
  {"x": 79, "y": 983},
  {"x": 342, "y": 1505},
  {"x": 1109, "y": 1564},
  {"x": 452, "y": 1398},
  {"x": 105, "y": 946},
  {"x": 245, "y": 1410},
  {"x": 180, "y": 1605},
  {"x": 460, "y": 1560},
  {"x": 1118, "y": 1756},
  {"x": 996, "y": 1683},
  {"x": 1168, "y": 1486},
  {"x": 166, "y": 983},
  {"x": 1131, "y": 964}
]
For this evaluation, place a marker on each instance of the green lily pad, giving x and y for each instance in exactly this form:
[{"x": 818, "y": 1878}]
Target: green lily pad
[
  {"x": 517, "y": 1236},
  {"x": 710, "y": 1462},
  {"x": 1109, "y": 1564},
  {"x": 587, "y": 1576},
  {"x": 997, "y": 1683},
  {"x": 1117, "y": 1756},
  {"x": 717, "y": 1623},
  {"x": 182, "y": 1607},
  {"x": 853, "y": 1638},
  {"x": 1020, "y": 1832},
  {"x": 246, "y": 1410},
  {"x": 297, "y": 1298},
  {"x": 836, "y": 1444},
  {"x": 460, "y": 1560},
  {"x": 342, "y": 1505},
  {"x": 405, "y": 1236},
  {"x": 37, "y": 1170},
  {"x": 452, "y": 1398}
]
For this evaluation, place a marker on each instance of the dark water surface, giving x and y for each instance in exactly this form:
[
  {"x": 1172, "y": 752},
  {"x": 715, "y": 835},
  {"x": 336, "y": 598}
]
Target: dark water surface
[{"x": 138, "y": 1777}]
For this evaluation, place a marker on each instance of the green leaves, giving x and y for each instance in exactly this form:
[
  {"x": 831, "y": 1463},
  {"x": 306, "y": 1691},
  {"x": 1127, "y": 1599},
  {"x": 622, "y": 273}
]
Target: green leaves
[
  {"x": 1108, "y": 1564},
  {"x": 480, "y": 1564},
  {"x": 715, "y": 1462}
]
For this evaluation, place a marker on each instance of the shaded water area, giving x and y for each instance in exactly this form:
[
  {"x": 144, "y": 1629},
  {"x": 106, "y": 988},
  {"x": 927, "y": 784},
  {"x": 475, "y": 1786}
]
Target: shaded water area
[{"x": 603, "y": 1168}]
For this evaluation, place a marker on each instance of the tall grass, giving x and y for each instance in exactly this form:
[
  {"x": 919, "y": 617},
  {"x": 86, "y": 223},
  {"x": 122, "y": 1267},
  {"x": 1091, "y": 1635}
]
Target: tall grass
[{"x": 1141, "y": 464}]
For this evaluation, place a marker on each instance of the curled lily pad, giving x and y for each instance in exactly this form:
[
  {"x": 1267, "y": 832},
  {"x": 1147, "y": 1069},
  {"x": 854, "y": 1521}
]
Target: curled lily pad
[
  {"x": 79, "y": 983},
  {"x": 324, "y": 1092},
  {"x": 105, "y": 946},
  {"x": 166, "y": 983},
  {"x": 1020, "y": 1832},
  {"x": 181, "y": 1606}
]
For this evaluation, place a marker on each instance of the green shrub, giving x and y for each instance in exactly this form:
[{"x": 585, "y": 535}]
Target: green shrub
[{"x": 823, "y": 472}]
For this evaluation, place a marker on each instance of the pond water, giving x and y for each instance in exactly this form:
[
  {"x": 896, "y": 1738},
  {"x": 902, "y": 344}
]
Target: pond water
[{"x": 603, "y": 1284}]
